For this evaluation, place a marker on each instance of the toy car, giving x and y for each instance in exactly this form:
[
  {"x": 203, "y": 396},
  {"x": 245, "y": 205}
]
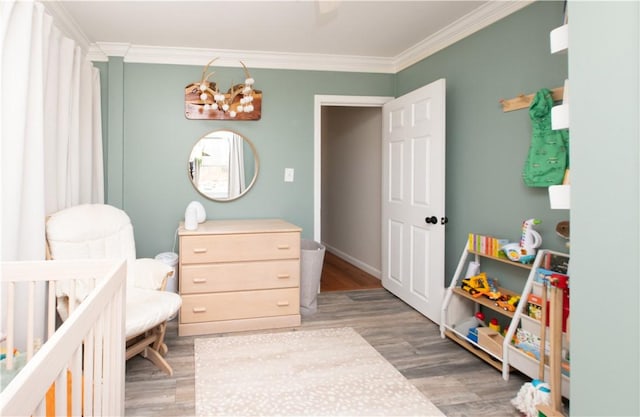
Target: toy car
[{"x": 508, "y": 304}]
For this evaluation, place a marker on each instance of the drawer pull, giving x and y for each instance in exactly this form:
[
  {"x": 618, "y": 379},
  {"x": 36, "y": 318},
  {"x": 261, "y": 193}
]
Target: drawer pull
[
  {"x": 199, "y": 280},
  {"x": 199, "y": 309},
  {"x": 199, "y": 250},
  {"x": 284, "y": 247},
  {"x": 283, "y": 276},
  {"x": 282, "y": 303}
]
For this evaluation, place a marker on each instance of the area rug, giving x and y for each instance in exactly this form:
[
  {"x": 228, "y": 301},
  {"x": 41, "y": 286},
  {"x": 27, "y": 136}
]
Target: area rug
[{"x": 329, "y": 372}]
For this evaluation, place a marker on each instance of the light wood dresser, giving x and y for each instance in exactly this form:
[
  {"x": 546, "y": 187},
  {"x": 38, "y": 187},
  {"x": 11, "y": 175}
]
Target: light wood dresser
[{"x": 238, "y": 275}]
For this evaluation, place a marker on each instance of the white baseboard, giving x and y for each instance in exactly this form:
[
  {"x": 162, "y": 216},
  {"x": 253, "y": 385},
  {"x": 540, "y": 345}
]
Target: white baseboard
[{"x": 365, "y": 267}]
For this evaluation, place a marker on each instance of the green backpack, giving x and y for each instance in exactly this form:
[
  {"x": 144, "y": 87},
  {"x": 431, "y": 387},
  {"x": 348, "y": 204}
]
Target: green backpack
[{"x": 548, "y": 156}]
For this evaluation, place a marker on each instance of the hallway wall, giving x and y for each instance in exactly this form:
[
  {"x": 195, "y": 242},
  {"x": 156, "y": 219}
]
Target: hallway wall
[{"x": 351, "y": 184}]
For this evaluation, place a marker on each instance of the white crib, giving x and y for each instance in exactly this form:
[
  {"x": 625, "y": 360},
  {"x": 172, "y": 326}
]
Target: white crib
[{"x": 79, "y": 369}]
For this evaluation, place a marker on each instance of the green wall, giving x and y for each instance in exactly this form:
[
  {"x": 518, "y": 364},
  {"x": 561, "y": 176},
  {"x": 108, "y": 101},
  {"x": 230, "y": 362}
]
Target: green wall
[
  {"x": 486, "y": 148},
  {"x": 150, "y": 141},
  {"x": 604, "y": 72}
]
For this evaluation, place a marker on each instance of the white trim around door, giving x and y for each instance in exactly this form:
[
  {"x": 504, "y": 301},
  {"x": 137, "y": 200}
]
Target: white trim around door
[{"x": 319, "y": 101}]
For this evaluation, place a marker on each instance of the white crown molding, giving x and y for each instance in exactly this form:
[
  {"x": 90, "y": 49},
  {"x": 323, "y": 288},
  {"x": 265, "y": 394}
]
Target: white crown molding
[
  {"x": 114, "y": 48},
  {"x": 253, "y": 59},
  {"x": 474, "y": 21},
  {"x": 480, "y": 18},
  {"x": 66, "y": 24},
  {"x": 96, "y": 54}
]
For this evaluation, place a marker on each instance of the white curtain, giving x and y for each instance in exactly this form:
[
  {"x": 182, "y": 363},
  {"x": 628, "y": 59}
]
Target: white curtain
[
  {"x": 236, "y": 166},
  {"x": 50, "y": 121}
]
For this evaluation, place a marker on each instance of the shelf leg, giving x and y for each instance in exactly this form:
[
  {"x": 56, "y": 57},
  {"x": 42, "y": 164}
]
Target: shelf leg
[
  {"x": 555, "y": 364},
  {"x": 449, "y": 291}
]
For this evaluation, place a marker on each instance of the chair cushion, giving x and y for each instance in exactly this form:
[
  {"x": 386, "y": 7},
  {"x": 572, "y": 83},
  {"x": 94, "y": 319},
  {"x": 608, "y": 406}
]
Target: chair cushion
[
  {"x": 148, "y": 308},
  {"x": 148, "y": 273},
  {"x": 90, "y": 231},
  {"x": 98, "y": 231}
]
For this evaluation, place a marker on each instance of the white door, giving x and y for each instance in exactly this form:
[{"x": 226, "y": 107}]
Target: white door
[{"x": 413, "y": 217}]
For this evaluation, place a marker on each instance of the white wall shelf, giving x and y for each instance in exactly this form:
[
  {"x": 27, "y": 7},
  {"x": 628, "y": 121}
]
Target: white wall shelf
[{"x": 559, "y": 39}]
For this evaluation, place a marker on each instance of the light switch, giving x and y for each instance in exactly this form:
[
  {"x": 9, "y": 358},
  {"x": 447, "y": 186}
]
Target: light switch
[{"x": 288, "y": 175}]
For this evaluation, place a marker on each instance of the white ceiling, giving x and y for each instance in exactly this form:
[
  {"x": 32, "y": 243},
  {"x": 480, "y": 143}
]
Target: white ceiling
[{"x": 384, "y": 35}]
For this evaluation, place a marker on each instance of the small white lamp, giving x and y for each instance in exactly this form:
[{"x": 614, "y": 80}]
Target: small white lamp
[{"x": 194, "y": 214}]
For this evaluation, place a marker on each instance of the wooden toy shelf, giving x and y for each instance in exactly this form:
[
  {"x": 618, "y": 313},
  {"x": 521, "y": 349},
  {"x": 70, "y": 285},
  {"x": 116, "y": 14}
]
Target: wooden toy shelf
[
  {"x": 486, "y": 302},
  {"x": 474, "y": 348},
  {"x": 459, "y": 308},
  {"x": 503, "y": 260}
]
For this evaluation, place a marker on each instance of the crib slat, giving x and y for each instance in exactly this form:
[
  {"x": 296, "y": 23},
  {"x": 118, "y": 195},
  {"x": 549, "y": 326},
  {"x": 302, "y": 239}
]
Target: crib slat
[
  {"x": 76, "y": 381},
  {"x": 106, "y": 391},
  {"x": 10, "y": 323},
  {"x": 118, "y": 333},
  {"x": 61, "y": 393},
  {"x": 72, "y": 298},
  {"x": 107, "y": 397},
  {"x": 89, "y": 347},
  {"x": 97, "y": 369},
  {"x": 41, "y": 409},
  {"x": 31, "y": 307},
  {"x": 51, "y": 310},
  {"x": 116, "y": 329}
]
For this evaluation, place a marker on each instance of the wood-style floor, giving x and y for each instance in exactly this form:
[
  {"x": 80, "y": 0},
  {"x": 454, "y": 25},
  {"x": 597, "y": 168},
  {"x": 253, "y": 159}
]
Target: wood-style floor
[
  {"x": 456, "y": 381},
  {"x": 340, "y": 275}
]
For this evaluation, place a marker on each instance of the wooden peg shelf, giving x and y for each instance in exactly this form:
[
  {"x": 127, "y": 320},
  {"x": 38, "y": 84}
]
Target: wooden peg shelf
[{"x": 523, "y": 102}]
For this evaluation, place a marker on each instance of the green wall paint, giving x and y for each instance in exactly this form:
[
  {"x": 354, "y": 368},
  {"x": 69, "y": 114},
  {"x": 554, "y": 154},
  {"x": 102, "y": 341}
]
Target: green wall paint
[
  {"x": 158, "y": 138},
  {"x": 604, "y": 72},
  {"x": 486, "y": 148},
  {"x": 104, "y": 107},
  {"x": 116, "y": 170}
]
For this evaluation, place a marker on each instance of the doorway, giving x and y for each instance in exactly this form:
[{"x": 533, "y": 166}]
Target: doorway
[{"x": 347, "y": 187}]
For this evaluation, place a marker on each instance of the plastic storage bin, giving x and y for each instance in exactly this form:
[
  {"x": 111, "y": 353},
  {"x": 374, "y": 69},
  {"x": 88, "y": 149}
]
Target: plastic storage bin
[
  {"x": 311, "y": 259},
  {"x": 171, "y": 259}
]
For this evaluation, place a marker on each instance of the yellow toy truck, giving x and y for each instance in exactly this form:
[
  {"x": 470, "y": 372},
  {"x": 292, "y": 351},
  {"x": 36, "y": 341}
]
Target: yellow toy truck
[{"x": 479, "y": 285}]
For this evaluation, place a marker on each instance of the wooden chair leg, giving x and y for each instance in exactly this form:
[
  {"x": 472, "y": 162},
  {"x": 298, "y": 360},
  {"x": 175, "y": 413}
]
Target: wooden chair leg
[
  {"x": 157, "y": 359},
  {"x": 152, "y": 347},
  {"x": 160, "y": 331}
]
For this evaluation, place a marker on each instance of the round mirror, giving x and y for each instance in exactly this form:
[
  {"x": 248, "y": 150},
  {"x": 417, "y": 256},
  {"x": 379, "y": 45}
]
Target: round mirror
[{"x": 223, "y": 165}]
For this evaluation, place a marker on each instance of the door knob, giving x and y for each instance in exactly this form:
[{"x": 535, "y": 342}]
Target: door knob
[
  {"x": 431, "y": 220},
  {"x": 444, "y": 220}
]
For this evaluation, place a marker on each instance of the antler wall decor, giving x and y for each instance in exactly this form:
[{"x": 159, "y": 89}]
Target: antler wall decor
[{"x": 203, "y": 100}]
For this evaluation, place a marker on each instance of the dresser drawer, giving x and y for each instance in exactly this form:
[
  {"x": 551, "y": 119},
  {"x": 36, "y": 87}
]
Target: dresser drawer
[
  {"x": 198, "y": 308},
  {"x": 239, "y": 247},
  {"x": 219, "y": 277}
]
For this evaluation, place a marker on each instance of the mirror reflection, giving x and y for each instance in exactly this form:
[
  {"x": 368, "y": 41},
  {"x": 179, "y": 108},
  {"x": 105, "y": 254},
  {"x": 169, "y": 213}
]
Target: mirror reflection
[{"x": 223, "y": 165}]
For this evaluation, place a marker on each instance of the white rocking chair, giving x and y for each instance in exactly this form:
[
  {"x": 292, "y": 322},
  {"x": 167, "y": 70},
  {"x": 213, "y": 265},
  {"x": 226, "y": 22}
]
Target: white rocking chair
[{"x": 98, "y": 231}]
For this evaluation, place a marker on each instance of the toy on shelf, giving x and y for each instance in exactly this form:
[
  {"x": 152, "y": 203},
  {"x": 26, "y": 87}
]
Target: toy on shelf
[
  {"x": 493, "y": 293},
  {"x": 524, "y": 251},
  {"x": 508, "y": 303},
  {"x": 494, "y": 325},
  {"x": 486, "y": 245},
  {"x": 479, "y": 285},
  {"x": 466, "y": 286}
]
